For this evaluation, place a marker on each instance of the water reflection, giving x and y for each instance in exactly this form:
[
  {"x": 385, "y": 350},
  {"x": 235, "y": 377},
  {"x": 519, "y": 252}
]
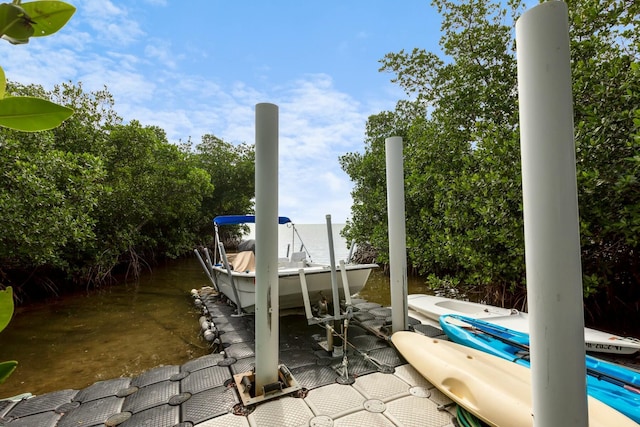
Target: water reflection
[
  {"x": 74, "y": 341},
  {"x": 378, "y": 289}
]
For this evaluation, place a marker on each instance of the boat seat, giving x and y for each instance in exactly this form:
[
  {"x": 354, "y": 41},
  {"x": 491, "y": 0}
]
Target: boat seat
[{"x": 244, "y": 261}]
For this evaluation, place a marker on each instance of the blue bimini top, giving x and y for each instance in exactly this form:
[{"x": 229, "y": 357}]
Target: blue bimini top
[{"x": 243, "y": 219}]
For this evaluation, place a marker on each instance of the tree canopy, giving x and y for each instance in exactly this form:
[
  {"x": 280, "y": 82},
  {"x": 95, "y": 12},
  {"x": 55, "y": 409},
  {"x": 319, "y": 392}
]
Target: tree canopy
[
  {"x": 462, "y": 154},
  {"x": 96, "y": 196}
]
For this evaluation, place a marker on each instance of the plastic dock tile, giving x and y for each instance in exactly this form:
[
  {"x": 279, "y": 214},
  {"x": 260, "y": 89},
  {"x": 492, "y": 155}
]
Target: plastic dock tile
[
  {"x": 380, "y": 389},
  {"x": 235, "y": 337},
  {"x": 285, "y": 412},
  {"x": 155, "y": 375},
  {"x": 382, "y": 312},
  {"x": 43, "y": 403},
  {"x": 367, "y": 342},
  {"x": 202, "y": 362},
  {"x": 228, "y": 420},
  {"x": 102, "y": 389},
  {"x": 363, "y": 419},
  {"x": 92, "y": 413},
  {"x": 241, "y": 350},
  {"x": 204, "y": 379},
  {"x": 297, "y": 358},
  {"x": 408, "y": 374},
  {"x": 335, "y": 400},
  {"x": 428, "y": 330},
  {"x": 150, "y": 396},
  {"x": 44, "y": 419},
  {"x": 387, "y": 356},
  {"x": 313, "y": 377},
  {"x": 209, "y": 404},
  {"x": 160, "y": 416},
  {"x": 415, "y": 411},
  {"x": 243, "y": 365}
]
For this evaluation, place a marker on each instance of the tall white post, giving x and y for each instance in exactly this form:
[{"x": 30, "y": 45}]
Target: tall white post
[
  {"x": 552, "y": 234},
  {"x": 334, "y": 276},
  {"x": 397, "y": 233},
  {"x": 267, "y": 309}
]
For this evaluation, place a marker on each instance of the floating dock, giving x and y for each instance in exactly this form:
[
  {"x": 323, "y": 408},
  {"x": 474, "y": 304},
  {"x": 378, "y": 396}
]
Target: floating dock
[{"x": 371, "y": 386}]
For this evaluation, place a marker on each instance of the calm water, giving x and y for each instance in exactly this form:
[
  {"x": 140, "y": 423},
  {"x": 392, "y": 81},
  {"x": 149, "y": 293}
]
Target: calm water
[{"x": 73, "y": 341}]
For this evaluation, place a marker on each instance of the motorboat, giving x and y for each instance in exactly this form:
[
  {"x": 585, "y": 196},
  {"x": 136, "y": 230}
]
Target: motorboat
[{"x": 234, "y": 274}]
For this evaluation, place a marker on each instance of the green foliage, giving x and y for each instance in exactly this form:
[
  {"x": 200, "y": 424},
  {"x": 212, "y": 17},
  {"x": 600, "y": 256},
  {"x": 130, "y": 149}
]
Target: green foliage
[
  {"x": 162, "y": 190},
  {"x": 28, "y": 114},
  {"x": 18, "y": 22},
  {"x": 6, "y": 369},
  {"x": 95, "y": 196},
  {"x": 47, "y": 197},
  {"x": 462, "y": 159},
  {"x": 15, "y": 24},
  {"x": 47, "y": 16},
  {"x": 31, "y": 114},
  {"x": 3, "y": 83},
  {"x": 6, "y": 312},
  {"x": 461, "y": 153},
  {"x": 232, "y": 171},
  {"x": 6, "y": 307},
  {"x": 605, "y": 50}
]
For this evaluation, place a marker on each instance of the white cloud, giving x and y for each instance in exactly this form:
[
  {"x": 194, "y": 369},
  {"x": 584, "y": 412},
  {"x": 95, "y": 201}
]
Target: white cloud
[
  {"x": 160, "y": 51},
  {"x": 111, "y": 24},
  {"x": 318, "y": 122}
]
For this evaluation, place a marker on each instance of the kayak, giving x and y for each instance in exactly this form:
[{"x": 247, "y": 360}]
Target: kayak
[
  {"x": 493, "y": 389},
  {"x": 595, "y": 340},
  {"x": 612, "y": 384}
]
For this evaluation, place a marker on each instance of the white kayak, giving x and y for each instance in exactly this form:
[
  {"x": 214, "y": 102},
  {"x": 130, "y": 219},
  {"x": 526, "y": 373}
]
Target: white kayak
[
  {"x": 495, "y": 390},
  {"x": 596, "y": 341}
]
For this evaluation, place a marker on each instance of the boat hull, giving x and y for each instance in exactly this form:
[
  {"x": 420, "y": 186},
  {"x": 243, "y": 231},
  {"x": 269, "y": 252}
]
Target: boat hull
[
  {"x": 595, "y": 341},
  {"x": 485, "y": 384},
  {"x": 318, "y": 281}
]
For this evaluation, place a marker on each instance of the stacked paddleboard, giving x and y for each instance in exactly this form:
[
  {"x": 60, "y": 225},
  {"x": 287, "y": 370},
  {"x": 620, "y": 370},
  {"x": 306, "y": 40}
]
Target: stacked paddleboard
[
  {"x": 612, "y": 384},
  {"x": 495, "y": 390}
]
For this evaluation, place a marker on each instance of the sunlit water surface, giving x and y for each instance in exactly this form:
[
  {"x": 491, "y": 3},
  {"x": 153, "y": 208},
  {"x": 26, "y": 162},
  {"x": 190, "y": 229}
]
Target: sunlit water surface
[{"x": 73, "y": 341}]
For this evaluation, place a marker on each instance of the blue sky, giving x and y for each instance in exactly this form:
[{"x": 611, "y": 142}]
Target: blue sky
[{"x": 198, "y": 67}]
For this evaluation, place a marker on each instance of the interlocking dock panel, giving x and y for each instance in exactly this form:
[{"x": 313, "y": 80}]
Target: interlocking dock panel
[{"x": 384, "y": 391}]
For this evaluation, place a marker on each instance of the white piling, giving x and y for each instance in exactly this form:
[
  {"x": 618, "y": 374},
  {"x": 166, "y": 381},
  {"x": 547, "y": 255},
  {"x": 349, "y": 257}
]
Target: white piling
[
  {"x": 552, "y": 234},
  {"x": 334, "y": 275},
  {"x": 397, "y": 233},
  {"x": 267, "y": 309}
]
